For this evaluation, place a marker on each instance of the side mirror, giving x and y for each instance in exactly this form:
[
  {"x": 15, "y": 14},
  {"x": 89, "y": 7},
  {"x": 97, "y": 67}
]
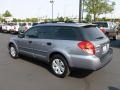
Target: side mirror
[{"x": 21, "y": 35}]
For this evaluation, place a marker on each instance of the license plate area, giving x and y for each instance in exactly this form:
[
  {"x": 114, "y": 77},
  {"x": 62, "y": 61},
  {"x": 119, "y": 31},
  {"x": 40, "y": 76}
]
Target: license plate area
[{"x": 105, "y": 48}]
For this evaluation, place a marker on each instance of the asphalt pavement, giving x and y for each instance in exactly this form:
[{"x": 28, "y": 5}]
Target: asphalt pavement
[{"x": 31, "y": 74}]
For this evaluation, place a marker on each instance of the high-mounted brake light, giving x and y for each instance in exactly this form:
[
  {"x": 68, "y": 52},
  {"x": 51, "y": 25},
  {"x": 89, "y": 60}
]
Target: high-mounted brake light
[{"x": 87, "y": 46}]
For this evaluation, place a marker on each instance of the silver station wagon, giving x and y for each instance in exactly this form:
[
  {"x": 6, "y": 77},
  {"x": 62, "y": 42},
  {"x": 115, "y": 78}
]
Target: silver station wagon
[{"x": 64, "y": 46}]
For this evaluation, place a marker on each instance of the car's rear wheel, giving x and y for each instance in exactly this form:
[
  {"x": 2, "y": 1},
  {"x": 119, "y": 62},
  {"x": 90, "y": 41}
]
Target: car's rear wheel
[
  {"x": 59, "y": 66},
  {"x": 13, "y": 51}
]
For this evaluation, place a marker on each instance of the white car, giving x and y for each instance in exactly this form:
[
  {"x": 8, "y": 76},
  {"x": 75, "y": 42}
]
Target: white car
[
  {"x": 24, "y": 26},
  {"x": 6, "y": 27},
  {"x": 14, "y": 28}
]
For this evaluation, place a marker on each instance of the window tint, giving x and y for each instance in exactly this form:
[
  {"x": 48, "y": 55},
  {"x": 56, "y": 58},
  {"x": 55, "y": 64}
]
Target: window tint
[
  {"x": 32, "y": 33},
  {"x": 46, "y": 32},
  {"x": 91, "y": 33},
  {"x": 56, "y": 32},
  {"x": 66, "y": 33}
]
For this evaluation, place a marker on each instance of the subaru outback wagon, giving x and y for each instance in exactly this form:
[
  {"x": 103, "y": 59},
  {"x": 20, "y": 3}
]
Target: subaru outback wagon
[{"x": 64, "y": 46}]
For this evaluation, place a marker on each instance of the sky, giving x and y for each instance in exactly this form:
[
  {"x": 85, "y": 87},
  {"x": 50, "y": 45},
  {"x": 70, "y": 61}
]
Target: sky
[{"x": 40, "y": 8}]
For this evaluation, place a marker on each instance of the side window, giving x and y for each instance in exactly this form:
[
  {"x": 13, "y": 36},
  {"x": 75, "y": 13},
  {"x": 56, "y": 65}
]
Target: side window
[
  {"x": 46, "y": 32},
  {"x": 31, "y": 33},
  {"x": 66, "y": 33}
]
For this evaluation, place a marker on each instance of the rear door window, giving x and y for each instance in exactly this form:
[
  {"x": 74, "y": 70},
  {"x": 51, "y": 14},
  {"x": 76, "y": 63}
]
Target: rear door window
[
  {"x": 45, "y": 32},
  {"x": 66, "y": 33}
]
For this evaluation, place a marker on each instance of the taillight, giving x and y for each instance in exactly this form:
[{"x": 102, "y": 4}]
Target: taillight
[{"x": 87, "y": 46}]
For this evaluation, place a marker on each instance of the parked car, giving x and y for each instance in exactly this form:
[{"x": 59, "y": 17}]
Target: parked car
[
  {"x": 118, "y": 27},
  {"x": 35, "y": 24},
  {"x": 24, "y": 27},
  {"x": 14, "y": 28},
  {"x": 0, "y": 27},
  {"x": 109, "y": 28},
  {"x": 6, "y": 27},
  {"x": 64, "y": 46}
]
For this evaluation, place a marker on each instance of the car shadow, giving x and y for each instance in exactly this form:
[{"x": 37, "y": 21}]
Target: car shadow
[
  {"x": 80, "y": 73},
  {"x": 36, "y": 62},
  {"x": 75, "y": 73},
  {"x": 113, "y": 88},
  {"x": 115, "y": 43}
]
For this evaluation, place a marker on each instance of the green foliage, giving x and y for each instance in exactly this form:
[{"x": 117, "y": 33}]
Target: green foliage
[
  {"x": 98, "y": 7},
  {"x": 34, "y": 20},
  {"x": 7, "y": 14},
  {"x": 68, "y": 20},
  {"x": 28, "y": 19},
  {"x": 14, "y": 20},
  {"x": 25, "y": 20},
  {"x": 1, "y": 19},
  {"x": 64, "y": 19},
  {"x": 88, "y": 18},
  {"x": 60, "y": 19},
  {"x": 31, "y": 19},
  {"x": 103, "y": 19}
]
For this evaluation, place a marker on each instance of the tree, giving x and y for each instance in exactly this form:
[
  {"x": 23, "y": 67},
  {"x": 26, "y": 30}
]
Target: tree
[
  {"x": 88, "y": 18},
  {"x": 28, "y": 20},
  {"x": 68, "y": 20},
  {"x": 60, "y": 19},
  {"x": 14, "y": 20},
  {"x": 98, "y": 7},
  {"x": 34, "y": 19},
  {"x": 7, "y": 14},
  {"x": 0, "y": 18}
]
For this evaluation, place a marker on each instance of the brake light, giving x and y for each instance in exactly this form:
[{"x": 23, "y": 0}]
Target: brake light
[{"x": 87, "y": 46}]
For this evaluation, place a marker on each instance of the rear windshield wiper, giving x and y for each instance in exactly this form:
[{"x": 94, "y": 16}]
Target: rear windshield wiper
[{"x": 99, "y": 37}]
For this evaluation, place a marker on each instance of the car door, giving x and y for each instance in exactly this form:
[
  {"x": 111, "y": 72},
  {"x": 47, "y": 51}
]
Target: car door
[
  {"x": 44, "y": 43},
  {"x": 26, "y": 44}
]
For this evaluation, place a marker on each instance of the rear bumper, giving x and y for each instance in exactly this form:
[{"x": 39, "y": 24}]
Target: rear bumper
[
  {"x": 3, "y": 30},
  {"x": 13, "y": 31},
  {"x": 105, "y": 59},
  {"x": 111, "y": 34},
  {"x": 91, "y": 62}
]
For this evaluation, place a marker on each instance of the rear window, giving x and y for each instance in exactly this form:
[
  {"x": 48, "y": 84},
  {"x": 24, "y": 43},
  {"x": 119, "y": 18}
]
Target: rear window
[
  {"x": 91, "y": 33},
  {"x": 101, "y": 24}
]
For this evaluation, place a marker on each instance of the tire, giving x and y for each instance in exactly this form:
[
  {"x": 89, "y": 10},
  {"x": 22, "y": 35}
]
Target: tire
[
  {"x": 59, "y": 66},
  {"x": 115, "y": 37},
  {"x": 13, "y": 51}
]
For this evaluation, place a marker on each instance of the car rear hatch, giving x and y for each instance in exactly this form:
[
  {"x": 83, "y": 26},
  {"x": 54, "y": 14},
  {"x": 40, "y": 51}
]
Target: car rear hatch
[{"x": 97, "y": 37}]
